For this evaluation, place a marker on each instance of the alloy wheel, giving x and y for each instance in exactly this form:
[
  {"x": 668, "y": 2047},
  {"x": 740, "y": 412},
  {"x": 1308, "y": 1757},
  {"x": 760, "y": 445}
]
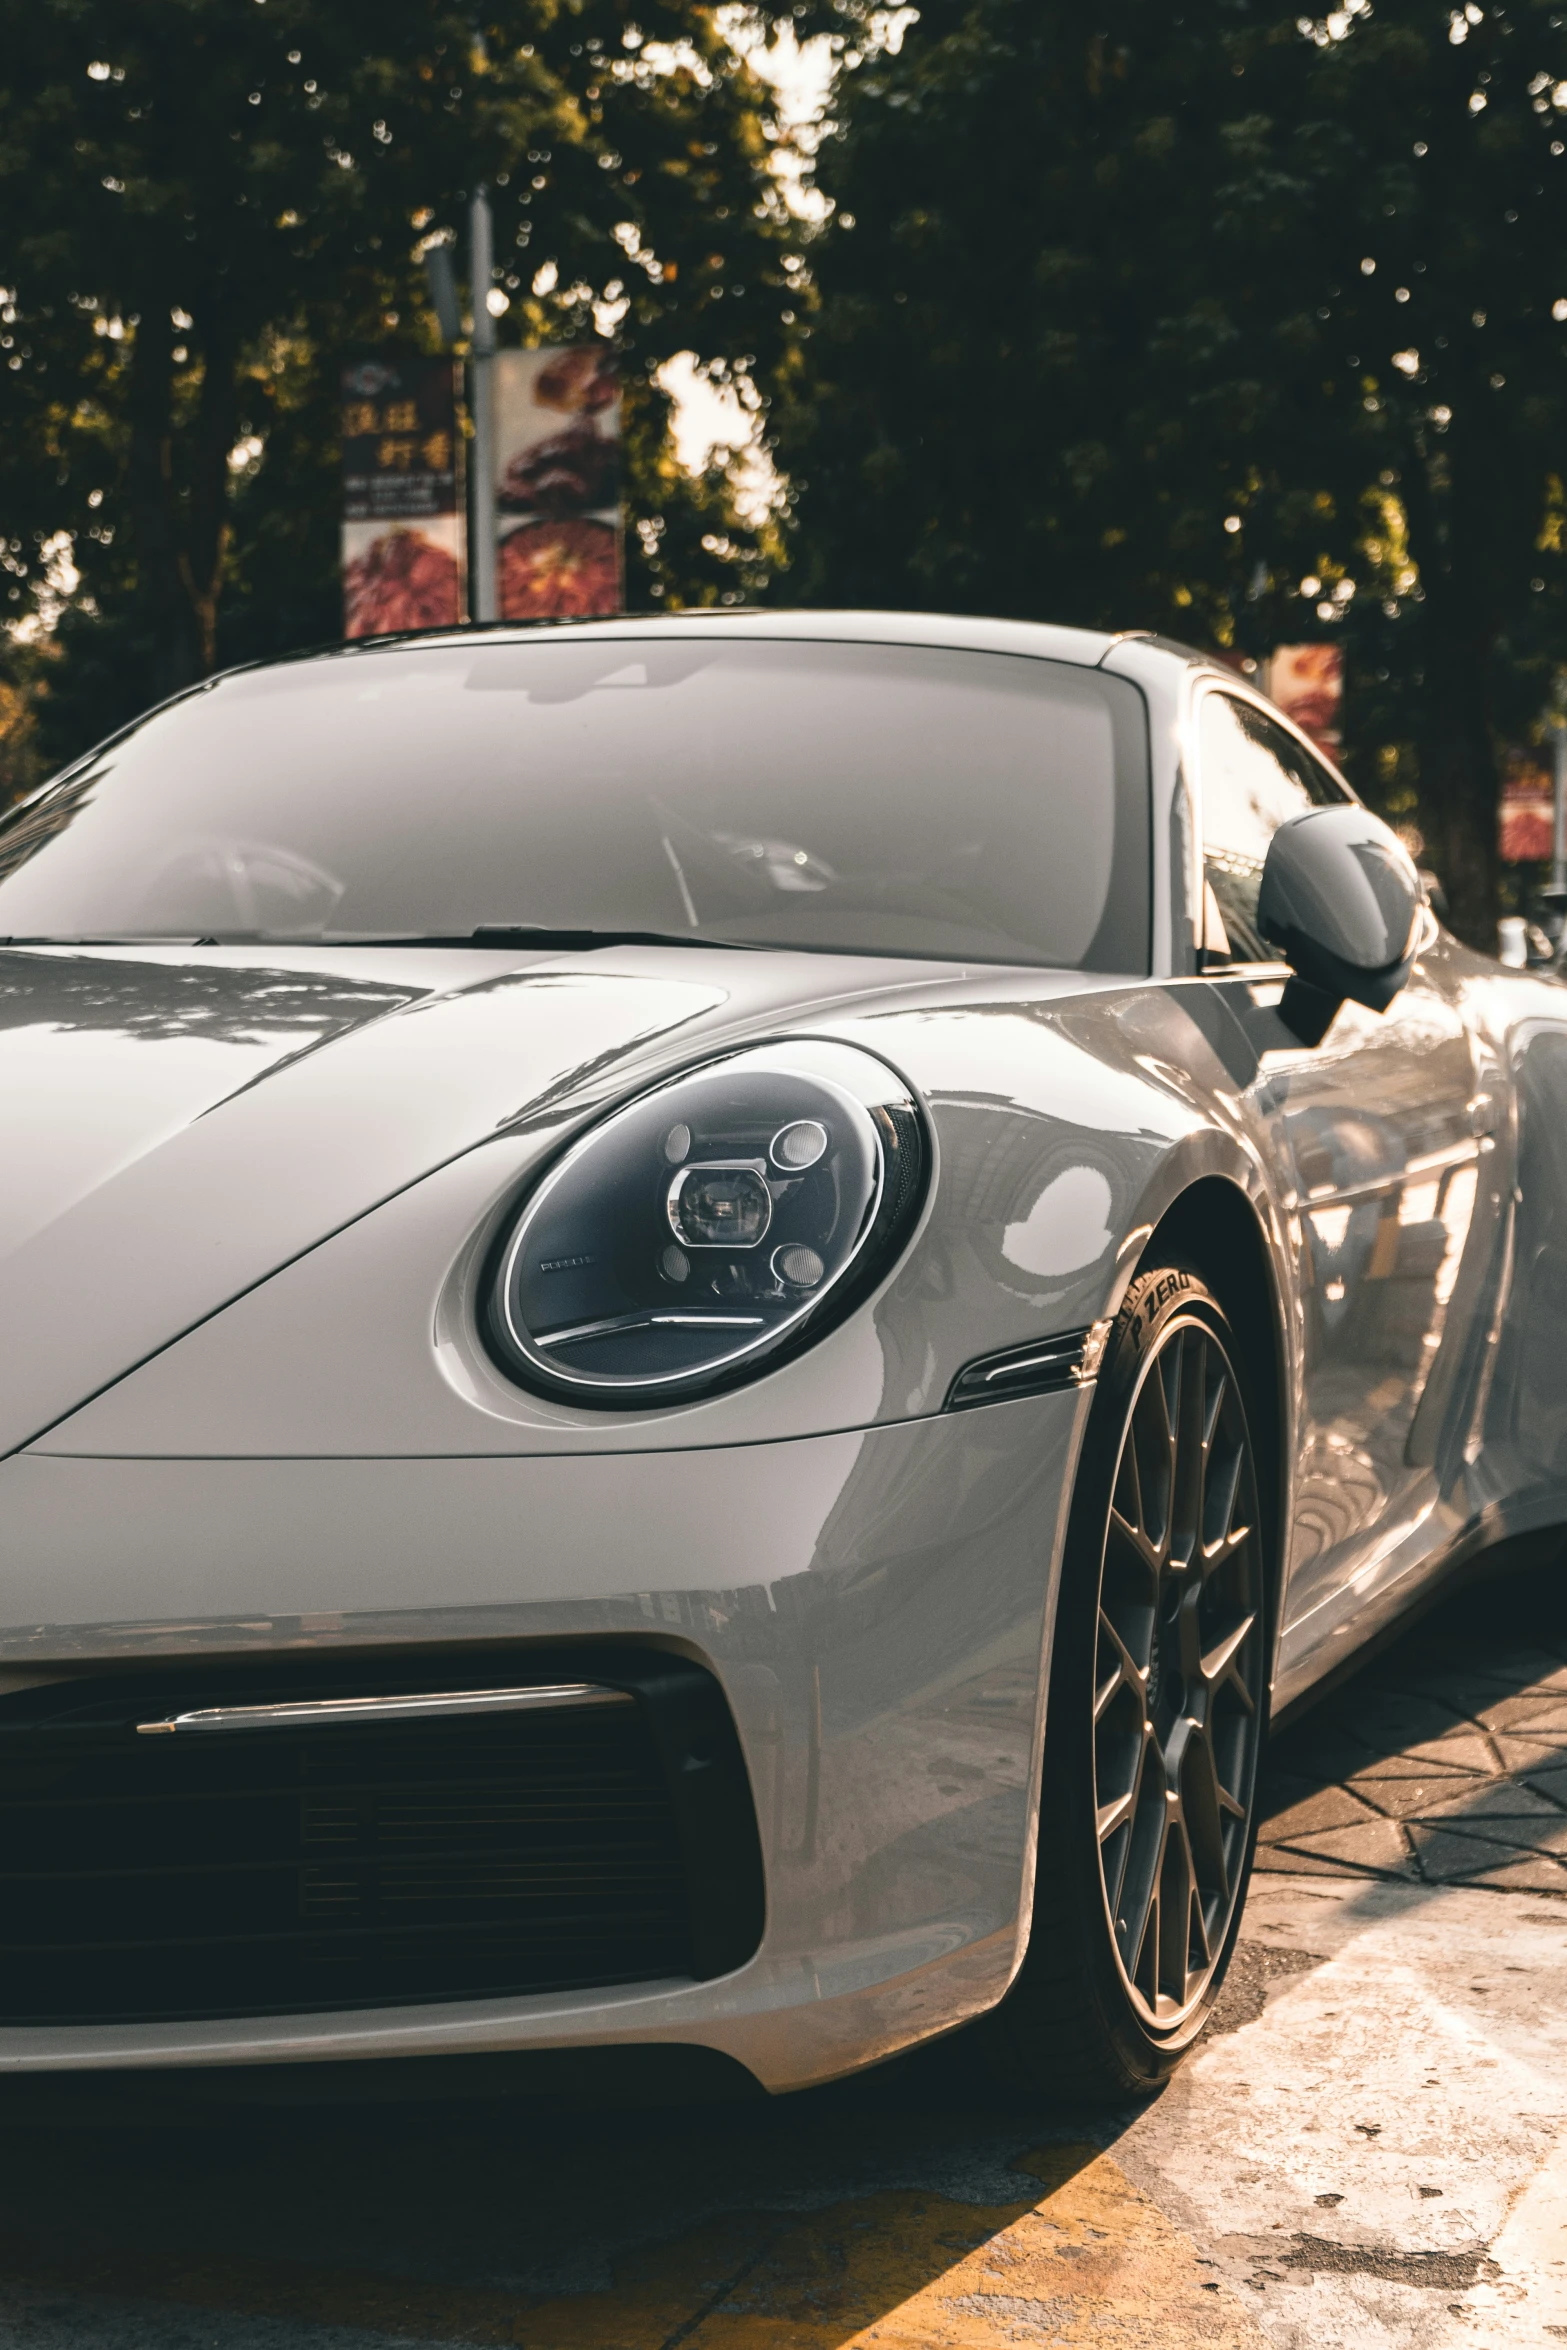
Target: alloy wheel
[{"x": 1177, "y": 1701}]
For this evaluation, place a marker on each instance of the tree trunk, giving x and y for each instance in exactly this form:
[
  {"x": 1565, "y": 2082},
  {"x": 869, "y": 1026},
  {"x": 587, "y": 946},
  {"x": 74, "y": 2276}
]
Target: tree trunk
[
  {"x": 181, "y": 541},
  {"x": 217, "y": 422},
  {"x": 1458, "y": 803},
  {"x": 1456, "y": 741},
  {"x": 160, "y": 575}
]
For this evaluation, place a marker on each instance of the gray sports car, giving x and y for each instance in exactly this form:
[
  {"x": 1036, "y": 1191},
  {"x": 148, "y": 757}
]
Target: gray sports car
[{"x": 700, "y": 1317}]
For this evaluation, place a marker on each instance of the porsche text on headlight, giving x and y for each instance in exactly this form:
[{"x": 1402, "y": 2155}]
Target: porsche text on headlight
[{"x": 710, "y": 1226}]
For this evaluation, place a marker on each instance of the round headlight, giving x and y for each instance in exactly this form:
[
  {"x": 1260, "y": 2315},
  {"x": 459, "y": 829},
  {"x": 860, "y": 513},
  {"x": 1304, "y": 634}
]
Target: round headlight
[{"x": 710, "y": 1226}]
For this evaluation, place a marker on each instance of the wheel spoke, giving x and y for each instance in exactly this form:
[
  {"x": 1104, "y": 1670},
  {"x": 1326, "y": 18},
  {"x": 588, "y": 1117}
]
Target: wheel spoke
[
  {"x": 1203, "y": 1808},
  {"x": 1220, "y": 1666},
  {"x": 1153, "y": 1437},
  {"x": 1128, "y": 1673},
  {"x": 1143, "y": 1945},
  {"x": 1136, "y": 1541},
  {"x": 1128, "y": 1503},
  {"x": 1163, "y": 1391},
  {"x": 1191, "y": 1436},
  {"x": 1194, "y": 1907},
  {"x": 1220, "y": 1553},
  {"x": 1177, "y": 1890},
  {"x": 1115, "y": 1815},
  {"x": 1197, "y": 1932},
  {"x": 1136, "y": 1866},
  {"x": 1120, "y": 1862},
  {"x": 1219, "y": 1530}
]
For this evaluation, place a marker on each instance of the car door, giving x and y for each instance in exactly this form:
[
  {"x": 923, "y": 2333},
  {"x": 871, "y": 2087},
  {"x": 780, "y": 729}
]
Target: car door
[{"x": 1376, "y": 1133}]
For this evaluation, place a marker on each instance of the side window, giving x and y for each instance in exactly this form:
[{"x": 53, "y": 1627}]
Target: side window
[{"x": 1252, "y": 777}]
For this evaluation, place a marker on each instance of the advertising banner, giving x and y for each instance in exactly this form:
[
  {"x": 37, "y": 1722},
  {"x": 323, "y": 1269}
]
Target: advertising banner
[
  {"x": 1307, "y": 682},
  {"x": 557, "y": 482},
  {"x": 1527, "y": 810},
  {"x": 402, "y": 530}
]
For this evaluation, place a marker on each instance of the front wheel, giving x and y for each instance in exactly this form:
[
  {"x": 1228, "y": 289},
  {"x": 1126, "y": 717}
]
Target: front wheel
[{"x": 1157, "y": 1707}]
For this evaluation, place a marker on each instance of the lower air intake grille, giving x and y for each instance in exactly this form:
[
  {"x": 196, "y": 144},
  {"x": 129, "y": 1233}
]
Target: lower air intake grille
[{"x": 291, "y": 1867}]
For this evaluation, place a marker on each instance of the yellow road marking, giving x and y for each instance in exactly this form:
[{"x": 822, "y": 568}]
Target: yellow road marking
[{"x": 1091, "y": 2264}]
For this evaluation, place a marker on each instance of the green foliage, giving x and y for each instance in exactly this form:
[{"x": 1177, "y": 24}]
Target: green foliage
[
  {"x": 1094, "y": 341},
  {"x": 979, "y": 416},
  {"x": 207, "y": 201},
  {"x": 24, "y": 686},
  {"x": 687, "y": 545}
]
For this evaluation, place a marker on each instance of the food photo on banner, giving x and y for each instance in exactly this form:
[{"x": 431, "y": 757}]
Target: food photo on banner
[
  {"x": 1527, "y": 810},
  {"x": 557, "y": 483},
  {"x": 402, "y": 527},
  {"x": 1307, "y": 682}
]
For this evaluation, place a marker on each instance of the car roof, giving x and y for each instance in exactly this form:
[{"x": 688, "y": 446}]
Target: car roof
[{"x": 954, "y": 632}]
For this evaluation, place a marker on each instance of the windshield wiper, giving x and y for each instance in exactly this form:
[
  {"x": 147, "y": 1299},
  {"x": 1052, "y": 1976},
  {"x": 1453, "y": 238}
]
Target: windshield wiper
[
  {"x": 541, "y": 934},
  {"x": 101, "y": 938},
  {"x": 531, "y": 934},
  {"x": 488, "y": 934}
]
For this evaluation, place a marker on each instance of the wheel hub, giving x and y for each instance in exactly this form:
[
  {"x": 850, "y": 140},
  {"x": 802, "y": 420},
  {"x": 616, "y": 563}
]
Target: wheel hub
[{"x": 1178, "y": 1674}]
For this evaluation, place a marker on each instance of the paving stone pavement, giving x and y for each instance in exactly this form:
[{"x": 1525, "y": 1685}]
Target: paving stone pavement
[{"x": 1444, "y": 1762}]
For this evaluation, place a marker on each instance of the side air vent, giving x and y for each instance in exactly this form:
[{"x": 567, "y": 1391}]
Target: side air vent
[
  {"x": 1040, "y": 1369},
  {"x": 204, "y": 1845}
]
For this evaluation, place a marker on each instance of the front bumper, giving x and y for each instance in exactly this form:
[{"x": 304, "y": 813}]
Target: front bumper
[{"x": 874, "y": 1604}]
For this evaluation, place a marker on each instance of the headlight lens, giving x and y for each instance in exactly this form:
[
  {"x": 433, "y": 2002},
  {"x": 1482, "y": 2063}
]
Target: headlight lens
[{"x": 720, "y": 1221}]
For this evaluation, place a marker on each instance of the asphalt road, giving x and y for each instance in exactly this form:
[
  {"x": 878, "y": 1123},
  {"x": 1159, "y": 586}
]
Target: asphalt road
[{"x": 1369, "y": 2148}]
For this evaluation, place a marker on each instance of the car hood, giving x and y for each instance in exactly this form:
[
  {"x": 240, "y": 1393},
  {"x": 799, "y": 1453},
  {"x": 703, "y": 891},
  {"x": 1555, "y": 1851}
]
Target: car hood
[{"x": 182, "y": 1122}]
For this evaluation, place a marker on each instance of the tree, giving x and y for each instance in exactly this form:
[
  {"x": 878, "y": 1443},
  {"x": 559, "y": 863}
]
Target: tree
[
  {"x": 970, "y": 417},
  {"x": 1247, "y": 327},
  {"x": 1426, "y": 153},
  {"x": 207, "y": 200}
]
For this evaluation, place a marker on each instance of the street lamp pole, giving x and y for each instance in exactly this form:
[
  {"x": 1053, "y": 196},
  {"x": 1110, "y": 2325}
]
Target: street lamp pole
[{"x": 482, "y": 602}]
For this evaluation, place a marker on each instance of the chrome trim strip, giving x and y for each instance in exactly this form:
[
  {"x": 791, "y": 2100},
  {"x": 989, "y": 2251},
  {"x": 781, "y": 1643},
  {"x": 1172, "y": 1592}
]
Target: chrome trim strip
[
  {"x": 1458, "y": 1154},
  {"x": 333, "y": 1712},
  {"x": 650, "y": 1320}
]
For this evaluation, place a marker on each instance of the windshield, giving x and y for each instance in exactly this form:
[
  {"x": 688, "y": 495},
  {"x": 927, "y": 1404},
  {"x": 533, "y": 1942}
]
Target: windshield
[{"x": 875, "y": 798}]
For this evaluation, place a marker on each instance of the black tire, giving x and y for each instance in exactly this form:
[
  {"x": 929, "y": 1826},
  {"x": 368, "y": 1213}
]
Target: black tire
[{"x": 1157, "y": 1712}]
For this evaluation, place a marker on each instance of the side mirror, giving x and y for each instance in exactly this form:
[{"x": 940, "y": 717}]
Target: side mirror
[{"x": 1341, "y": 899}]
